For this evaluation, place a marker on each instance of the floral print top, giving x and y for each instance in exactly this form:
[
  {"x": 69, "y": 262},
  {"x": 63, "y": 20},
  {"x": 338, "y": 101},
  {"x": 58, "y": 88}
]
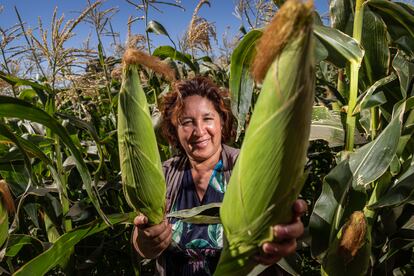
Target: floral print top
[{"x": 196, "y": 247}]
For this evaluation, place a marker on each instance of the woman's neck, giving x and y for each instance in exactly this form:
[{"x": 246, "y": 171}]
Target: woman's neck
[{"x": 201, "y": 172}]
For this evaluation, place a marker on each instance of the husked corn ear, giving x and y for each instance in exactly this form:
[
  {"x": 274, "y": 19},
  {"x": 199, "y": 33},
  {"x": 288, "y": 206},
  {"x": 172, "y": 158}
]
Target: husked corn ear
[
  {"x": 142, "y": 175},
  {"x": 269, "y": 172}
]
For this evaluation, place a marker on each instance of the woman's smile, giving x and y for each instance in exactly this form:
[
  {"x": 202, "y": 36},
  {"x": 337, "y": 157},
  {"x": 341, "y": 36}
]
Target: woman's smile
[{"x": 201, "y": 143}]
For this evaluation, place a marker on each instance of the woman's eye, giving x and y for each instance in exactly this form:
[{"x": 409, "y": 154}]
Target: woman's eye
[{"x": 186, "y": 123}]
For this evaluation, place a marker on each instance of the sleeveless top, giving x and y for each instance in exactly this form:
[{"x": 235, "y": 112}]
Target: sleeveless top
[{"x": 196, "y": 248}]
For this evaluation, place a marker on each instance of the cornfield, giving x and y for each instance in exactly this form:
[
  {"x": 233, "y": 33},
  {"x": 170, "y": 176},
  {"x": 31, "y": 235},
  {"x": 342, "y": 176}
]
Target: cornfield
[{"x": 71, "y": 176}]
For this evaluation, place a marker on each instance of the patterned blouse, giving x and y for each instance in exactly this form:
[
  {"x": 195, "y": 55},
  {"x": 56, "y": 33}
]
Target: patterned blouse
[{"x": 196, "y": 247}]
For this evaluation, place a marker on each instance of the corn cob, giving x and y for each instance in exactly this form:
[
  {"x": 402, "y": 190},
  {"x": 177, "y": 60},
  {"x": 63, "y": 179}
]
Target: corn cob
[
  {"x": 269, "y": 172},
  {"x": 6, "y": 206},
  {"x": 142, "y": 176},
  {"x": 349, "y": 253}
]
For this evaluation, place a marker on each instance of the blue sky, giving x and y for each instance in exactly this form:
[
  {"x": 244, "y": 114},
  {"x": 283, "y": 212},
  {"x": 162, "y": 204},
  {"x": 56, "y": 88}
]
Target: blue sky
[{"x": 174, "y": 19}]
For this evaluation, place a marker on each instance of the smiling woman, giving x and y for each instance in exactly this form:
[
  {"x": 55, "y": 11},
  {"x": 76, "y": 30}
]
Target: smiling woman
[
  {"x": 189, "y": 96},
  {"x": 197, "y": 122},
  {"x": 199, "y": 129}
]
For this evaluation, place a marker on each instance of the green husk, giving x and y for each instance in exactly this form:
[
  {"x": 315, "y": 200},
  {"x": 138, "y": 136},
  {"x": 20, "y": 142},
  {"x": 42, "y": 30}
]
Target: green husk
[
  {"x": 4, "y": 223},
  {"x": 269, "y": 172},
  {"x": 6, "y": 207},
  {"x": 349, "y": 253},
  {"x": 142, "y": 176}
]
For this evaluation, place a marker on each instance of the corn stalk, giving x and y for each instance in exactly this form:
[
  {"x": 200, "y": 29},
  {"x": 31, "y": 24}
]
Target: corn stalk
[{"x": 353, "y": 93}]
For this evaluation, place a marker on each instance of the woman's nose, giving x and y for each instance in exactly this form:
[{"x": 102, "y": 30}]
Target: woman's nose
[{"x": 199, "y": 129}]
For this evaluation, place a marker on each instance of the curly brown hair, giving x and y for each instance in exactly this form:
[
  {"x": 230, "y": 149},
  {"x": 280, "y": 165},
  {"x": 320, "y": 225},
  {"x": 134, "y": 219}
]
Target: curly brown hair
[{"x": 172, "y": 106}]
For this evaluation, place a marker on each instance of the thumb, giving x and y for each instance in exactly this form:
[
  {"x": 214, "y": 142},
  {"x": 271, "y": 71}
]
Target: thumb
[{"x": 140, "y": 220}]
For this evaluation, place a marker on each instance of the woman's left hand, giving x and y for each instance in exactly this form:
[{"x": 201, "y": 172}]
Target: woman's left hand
[{"x": 285, "y": 236}]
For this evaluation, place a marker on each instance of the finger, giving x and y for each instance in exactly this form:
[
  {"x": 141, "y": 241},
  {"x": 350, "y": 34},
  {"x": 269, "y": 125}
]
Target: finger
[
  {"x": 156, "y": 230},
  {"x": 167, "y": 241},
  {"x": 280, "y": 249},
  {"x": 300, "y": 207},
  {"x": 288, "y": 231},
  {"x": 140, "y": 220},
  {"x": 163, "y": 236},
  {"x": 160, "y": 247}
]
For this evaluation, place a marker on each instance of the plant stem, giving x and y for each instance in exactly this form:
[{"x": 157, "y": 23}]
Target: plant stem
[
  {"x": 353, "y": 93},
  {"x": 145, "y": 4},
  {"x": 376, "y": 193},
  {"x": 374, "y": 122},
  {"x": 8, "y": 70},
  {"x": 57, "y": 155},
  {"x": 341, "y": 84},
  {"x": 34, "y": 55}
]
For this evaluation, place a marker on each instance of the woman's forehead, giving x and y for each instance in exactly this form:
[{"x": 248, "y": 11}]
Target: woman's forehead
[{"x": 196, "y": 103}]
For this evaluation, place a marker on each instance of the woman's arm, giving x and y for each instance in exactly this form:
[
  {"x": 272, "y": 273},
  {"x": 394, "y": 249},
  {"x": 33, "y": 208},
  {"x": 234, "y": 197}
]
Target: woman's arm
[
  {"x": 285, "y": 236},
  {"x": 151, "y": 241}
]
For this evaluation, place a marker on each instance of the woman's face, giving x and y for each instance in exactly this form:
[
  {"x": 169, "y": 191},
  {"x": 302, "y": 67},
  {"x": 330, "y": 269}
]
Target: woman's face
[{"x": 199, "y": 128}]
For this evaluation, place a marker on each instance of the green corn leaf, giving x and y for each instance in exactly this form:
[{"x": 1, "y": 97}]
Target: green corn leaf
[
  {"x": 398, "y": 19},
  {"x": 4, "y": 222},
  {"x": 28, "y": 148},
  {"x": 241, "y": 83},
  {"x": 15, "y": 108},
  {"x": 376, "y": 60},
  {"x": 329, "y": 207},
  {"x": 41, "y": 90},
  {"x": 339, "y": 12},
  {"x": 400, "y": 193},
  {"x": 91, "y": 131},
  {"x": 368, "y": 100},
  {"x": 369, "y": 162},
  {"x": 156, "y": 27},
  {"x": 44, "y": 262},
  {"x": 168, "y": 51},
  {"x": 341, "y": 47},
  {"x": 405, "y": 73},
  {"x": 142, "y": 176},
  {"x": 204, "y": 214},
  {"x": 16, "y": 243}
]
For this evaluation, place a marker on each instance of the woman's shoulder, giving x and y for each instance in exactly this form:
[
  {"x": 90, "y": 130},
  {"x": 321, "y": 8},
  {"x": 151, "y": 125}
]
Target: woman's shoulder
[
  {"x": 230, "y": 150},
  {"x": 176, "y": 162},
  {"x": 229, "y": 156}
]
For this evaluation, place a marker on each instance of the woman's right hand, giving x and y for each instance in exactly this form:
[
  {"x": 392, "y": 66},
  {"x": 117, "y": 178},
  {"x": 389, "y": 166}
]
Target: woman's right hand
[{"x": 151, "y": 241}]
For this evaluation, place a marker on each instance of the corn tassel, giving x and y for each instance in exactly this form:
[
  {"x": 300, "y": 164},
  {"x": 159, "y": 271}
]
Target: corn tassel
[
  {"x": 269, "y": 172},
  {"x": 142, "y": 176}
]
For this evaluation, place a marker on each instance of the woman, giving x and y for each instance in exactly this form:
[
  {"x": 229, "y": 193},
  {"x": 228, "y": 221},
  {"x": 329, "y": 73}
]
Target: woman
[{"x": 197, "y": 122}]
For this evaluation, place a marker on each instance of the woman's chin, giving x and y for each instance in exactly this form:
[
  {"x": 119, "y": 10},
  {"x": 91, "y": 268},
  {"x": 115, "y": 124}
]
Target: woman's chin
[{"x": 201, "y": 153}]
